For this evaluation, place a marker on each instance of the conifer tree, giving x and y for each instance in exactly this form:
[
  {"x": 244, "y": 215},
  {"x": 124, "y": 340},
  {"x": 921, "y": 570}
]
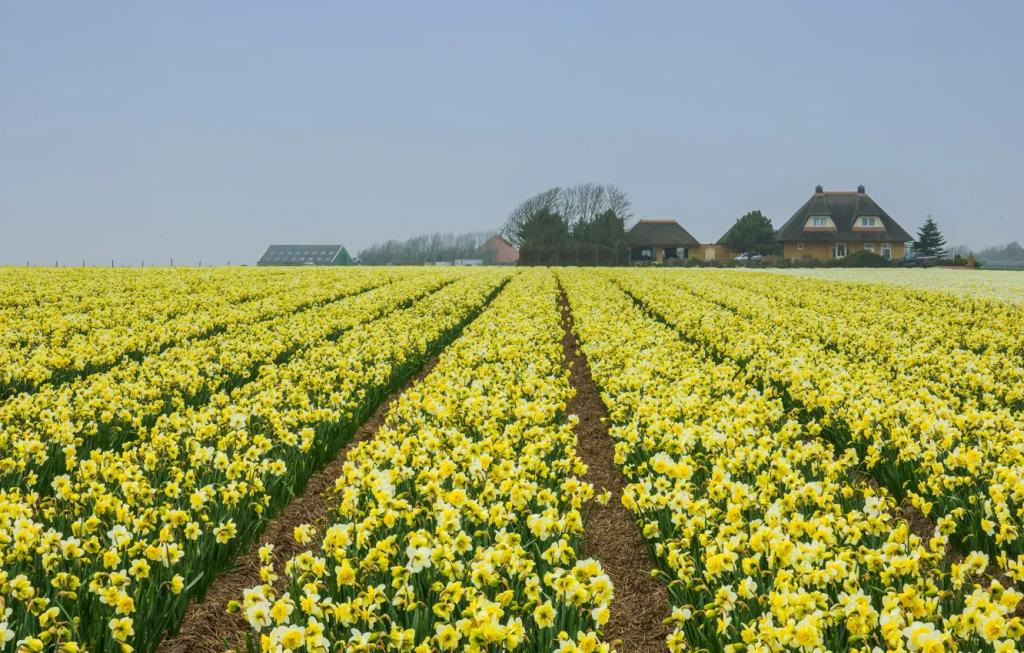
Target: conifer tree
[{"x": 929, "y": 240}]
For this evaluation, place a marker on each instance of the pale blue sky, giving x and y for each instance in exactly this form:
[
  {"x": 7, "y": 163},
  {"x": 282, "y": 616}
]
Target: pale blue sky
[{"x": 206, "y": 130}]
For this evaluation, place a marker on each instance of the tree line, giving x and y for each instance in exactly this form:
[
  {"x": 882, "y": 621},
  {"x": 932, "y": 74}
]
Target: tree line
[
  {"x": 582, "y": 224},
  {"x": 428, "y": 248},
  {"x": 1009, "y": 252}
]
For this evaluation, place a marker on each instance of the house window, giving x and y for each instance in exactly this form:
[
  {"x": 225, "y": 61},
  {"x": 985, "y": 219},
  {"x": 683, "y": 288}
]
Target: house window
[
  {"x": 869, "y": 247},
  {"x": 839, "y": 250},
  {"x": 868, "y": 221},
  {"x": 887, "y": 251},
  {"x": 819, "y": 221},
  {"x": 799, "y": 245}
]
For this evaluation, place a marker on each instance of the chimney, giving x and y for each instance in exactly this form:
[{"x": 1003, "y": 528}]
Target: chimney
[
  {"x": 818, "y": 189},
  {"x": 860, "y": 189}
]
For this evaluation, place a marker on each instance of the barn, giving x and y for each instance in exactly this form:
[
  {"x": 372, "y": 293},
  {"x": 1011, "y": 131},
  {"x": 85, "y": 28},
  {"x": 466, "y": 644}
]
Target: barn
[
  {"x": 305, "y": 255},
  {"x": 498, "y": 251}
]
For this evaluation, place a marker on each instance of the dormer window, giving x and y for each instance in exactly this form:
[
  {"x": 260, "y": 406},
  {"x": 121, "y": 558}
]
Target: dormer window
[
  {"x": 820, "y": 222},
  {"x": 868, "y": 221}
]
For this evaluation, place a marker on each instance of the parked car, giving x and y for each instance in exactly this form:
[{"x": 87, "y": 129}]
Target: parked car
[
  {"x": 918, "y": 260},
  {"x": 749, "y": 256}
]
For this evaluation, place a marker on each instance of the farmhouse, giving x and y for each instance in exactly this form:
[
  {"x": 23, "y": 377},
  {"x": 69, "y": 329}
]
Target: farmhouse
[
  {"x": 834, "y": 224},
  {"x": 305, "y": 255},
  {"x": 659, "y": 241},
  {"x": 497, "y": 251}
]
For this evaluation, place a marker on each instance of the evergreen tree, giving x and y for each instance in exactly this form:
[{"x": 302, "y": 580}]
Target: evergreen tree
[
  {"x": 606, "y": 229},
  {"x": 751, "y": 233},
  {"x": 580, "y": 207},
  {"x": 545, "y": 228},
  {"x": 929, "y": 240}
]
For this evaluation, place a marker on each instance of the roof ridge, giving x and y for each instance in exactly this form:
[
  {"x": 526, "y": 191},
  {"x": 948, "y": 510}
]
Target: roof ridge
[{"x": 856, "y": 212}]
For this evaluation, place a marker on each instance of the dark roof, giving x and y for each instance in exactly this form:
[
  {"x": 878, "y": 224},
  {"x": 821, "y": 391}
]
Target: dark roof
[
  {"x": 844, "y": 208},
  {"x": 660, "y": 233},
  {"x": 300, "y": 255}
]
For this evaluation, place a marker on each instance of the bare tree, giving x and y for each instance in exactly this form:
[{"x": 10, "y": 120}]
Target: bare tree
[
  {"x": 426, "y": 248},
  {"x": 579, "y": 207},
  {"x": 585, "y": 202},
  {"x": 618, "y": 202},
  {"x": 545, "y": 200},
  {"x": 593, "y": 201}
]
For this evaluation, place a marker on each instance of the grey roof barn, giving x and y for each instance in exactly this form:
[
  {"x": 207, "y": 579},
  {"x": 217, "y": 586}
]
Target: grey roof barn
[
  {"x": 305, "y": 255},
  {"x": 843, "y": 208}
]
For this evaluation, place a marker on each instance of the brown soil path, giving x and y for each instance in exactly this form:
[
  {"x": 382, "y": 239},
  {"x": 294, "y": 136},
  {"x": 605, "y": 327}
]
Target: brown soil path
[
  {"x": 641, "y": 602},
  {"x": 207, "y": 627}
]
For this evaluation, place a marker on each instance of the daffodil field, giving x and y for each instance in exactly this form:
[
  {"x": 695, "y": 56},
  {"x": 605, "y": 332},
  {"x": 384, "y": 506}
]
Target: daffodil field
[
  {"x": 1005, "y": 285},
  {"x": 111, "y": 550},
  {"x": 815, "y": 465},
  {"x": 458, "y": 526},
  {"x": 815, "y": 462}
]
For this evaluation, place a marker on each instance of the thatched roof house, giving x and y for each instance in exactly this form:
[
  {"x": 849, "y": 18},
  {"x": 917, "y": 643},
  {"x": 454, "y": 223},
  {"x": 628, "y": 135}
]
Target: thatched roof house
[
  {"x": 834, "y": 224},
  {"x": 659, "y": 240}
]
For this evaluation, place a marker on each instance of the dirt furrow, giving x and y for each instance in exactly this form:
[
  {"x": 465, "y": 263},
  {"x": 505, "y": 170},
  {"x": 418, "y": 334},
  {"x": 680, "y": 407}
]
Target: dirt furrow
[
  {"x": 641, "y": 602},
  {"x": 207, "y": 627}
]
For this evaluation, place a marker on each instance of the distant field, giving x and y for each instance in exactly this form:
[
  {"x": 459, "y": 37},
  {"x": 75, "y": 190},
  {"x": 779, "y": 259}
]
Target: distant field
[
  {"x": 1005, "y": 285},
  {"x": 471, "y": 459}
]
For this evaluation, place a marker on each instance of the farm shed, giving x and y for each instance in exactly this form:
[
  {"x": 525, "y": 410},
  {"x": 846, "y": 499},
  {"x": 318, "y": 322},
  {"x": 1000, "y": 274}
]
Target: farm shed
[{"x": 659, "y": 241}]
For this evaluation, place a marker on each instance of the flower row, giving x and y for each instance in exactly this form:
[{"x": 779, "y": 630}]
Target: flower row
[
  {"x": 767, "y": 535},
  {"x": 998, "y": 285},
  {"x": 458, "y": 526},
  {"x": 965, "y": 350},
  {"x": 128, "y": 537},
  {"x": 46, "y": 429},
  {"x": 44, "y": 350},
  {"x": 925, "y": 440}
]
